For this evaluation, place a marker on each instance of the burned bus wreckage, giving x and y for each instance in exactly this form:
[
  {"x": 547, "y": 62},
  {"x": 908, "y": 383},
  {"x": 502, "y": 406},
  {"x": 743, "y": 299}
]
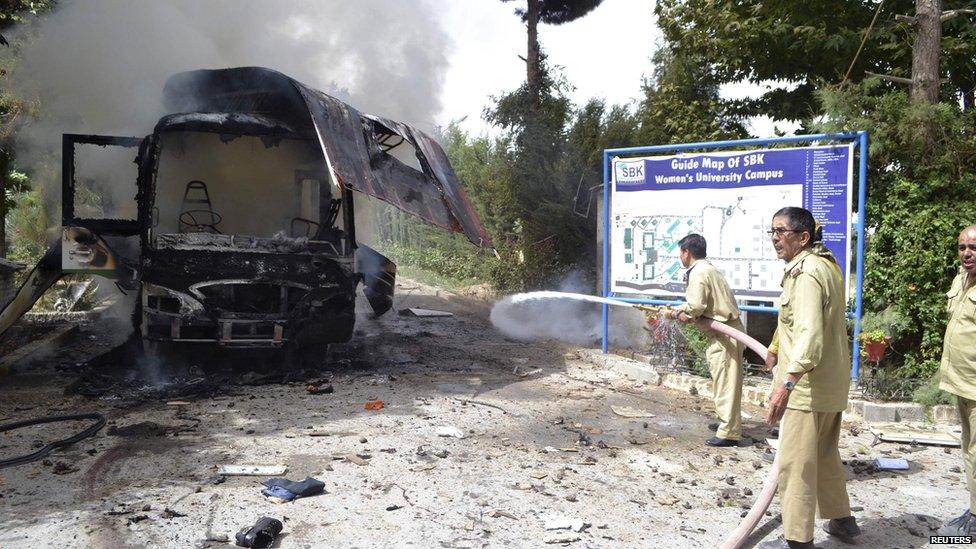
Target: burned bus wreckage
[{"x": 237, "y": 225}]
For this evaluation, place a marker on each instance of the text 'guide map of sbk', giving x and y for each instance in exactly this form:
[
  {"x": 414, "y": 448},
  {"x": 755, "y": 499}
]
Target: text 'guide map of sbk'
[{"x": 729, "y": 198}]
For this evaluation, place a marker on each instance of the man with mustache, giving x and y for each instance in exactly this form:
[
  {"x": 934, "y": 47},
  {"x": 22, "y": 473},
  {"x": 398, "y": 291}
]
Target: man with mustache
[
  {"x": 958, "y": 370},
  {"x": 811, "y": 387}
]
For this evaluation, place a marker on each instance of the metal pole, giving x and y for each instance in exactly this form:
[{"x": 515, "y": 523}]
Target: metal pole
[
  {"x": 605, "y": 309},
  {"x": 862, "y": 184}
]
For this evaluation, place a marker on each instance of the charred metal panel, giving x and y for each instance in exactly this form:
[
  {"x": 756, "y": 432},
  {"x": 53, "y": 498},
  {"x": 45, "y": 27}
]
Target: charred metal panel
[
  {"x": 432, "y": 157},
  {"x": 252, "y": 90},
  {"x": 233, "y": 123},
  {"x": 123, "y": 227},
  {"x": 349, "y": 141},
  {"x": 275, "y": 297},
  {"x": 379, "y": 278}
]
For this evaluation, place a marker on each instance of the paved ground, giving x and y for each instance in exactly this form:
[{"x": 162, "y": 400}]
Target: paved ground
[{"x": 536, "y": 448}]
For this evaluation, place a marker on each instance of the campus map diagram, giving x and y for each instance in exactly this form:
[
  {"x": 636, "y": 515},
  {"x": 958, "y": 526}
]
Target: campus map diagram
[{"x": 646, "y": 228}]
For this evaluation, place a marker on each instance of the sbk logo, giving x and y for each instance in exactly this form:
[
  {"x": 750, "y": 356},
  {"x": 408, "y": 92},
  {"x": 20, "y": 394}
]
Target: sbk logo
[{"x": 630, "y": 171}]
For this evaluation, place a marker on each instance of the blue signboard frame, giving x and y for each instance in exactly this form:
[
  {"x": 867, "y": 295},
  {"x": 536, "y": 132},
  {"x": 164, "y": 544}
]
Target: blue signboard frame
[{"x": 860, "y": 142}]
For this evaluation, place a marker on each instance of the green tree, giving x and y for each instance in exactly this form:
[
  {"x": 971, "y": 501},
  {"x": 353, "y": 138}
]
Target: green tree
[
  {"x": 681, "y": 102},
  {"x": 919, "y": 198},
  {"x": 550, "y": 12},
  {"x": 801, "y": 46},
  {"x": 12, "y": 109}
]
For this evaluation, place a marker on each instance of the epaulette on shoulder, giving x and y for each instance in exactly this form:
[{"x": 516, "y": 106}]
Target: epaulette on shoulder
[{"x": 797, "y": 269}]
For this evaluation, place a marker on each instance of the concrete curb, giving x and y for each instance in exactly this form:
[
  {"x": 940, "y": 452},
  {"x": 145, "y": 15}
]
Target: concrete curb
[{"x": 756, "y": 393}]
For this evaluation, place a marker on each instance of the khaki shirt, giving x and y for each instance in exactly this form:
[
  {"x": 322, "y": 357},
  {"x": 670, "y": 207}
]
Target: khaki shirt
[
  {"x": 708, "y": 294},
  {"x": 822, "y": 251},
  {"x": 958, "y": 368},
  {"x": 812, "y": 334}
]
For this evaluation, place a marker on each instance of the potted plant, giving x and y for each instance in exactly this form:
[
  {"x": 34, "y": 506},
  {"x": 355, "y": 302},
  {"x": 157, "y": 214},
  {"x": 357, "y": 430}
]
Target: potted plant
[{"x": 874, "y": 343}]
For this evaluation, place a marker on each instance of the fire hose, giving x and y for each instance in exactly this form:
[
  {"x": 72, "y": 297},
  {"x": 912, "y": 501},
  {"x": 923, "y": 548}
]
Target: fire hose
[
  {"x": 742, "y": 531},
  {"x": 18, "y": 460}
]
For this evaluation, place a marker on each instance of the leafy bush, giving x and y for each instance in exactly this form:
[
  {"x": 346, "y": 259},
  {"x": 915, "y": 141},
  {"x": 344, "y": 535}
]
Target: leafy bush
[
  {"x": 919, "y": 198},
  {"x": 929, "y": 394},
  {"x": 695, "y": 344}
]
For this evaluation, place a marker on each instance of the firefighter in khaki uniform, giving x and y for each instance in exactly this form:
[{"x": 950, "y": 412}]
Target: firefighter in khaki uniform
[
  {"x": 708, "y": 294},
  {"x": 814, "y": 366},
  {"x": 958, "y": 370}
]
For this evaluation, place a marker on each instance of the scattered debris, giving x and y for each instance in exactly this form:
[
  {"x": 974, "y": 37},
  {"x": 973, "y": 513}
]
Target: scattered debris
[
  {"x": 252, "y": 470},
  {"x": 262, "y": 534},
  {"x": 375, "y": 405},
  {"x": 424, "y": 313},
  {"x": 281, "y": 490},
  {"x": 667, "y": 500},
  {"x": 482, "y": 403},
  {"x": 441, "y": 453},
  {"x": 358, "y": 460},
  {"x": 500, "y": 513},
  {"x": 137, "y": 519},
  {"x": 626, "y": 411},
  {"x": 449, "y": 431},
  {"x": 560, "y": 522},
  {"x": 63, "y": 468},
  {"x": 393, "y": 507},
  {"x": 894, "y": 432},
  {"x": 314, "y": 389},
  {"x": 891, "y": 464},
  {"x": 169, "y": 513}
]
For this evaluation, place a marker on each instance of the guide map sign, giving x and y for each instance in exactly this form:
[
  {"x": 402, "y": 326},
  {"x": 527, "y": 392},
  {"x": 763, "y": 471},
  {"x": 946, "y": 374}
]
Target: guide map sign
[{"x": 729, "y": 198}]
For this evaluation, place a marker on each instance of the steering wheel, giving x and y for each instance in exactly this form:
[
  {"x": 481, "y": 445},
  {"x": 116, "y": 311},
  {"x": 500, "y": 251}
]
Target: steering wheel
[{"x": 190, "y": 223}]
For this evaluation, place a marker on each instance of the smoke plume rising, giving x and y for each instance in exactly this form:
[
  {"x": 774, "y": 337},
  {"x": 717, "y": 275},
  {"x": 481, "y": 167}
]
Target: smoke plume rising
[{"x": 99, "y": 66}]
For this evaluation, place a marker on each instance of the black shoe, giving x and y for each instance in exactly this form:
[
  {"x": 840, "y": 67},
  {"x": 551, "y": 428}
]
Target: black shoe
[
  {"x": 262, "y": 534},
  {"x": 780, "y": 543},
  {"x": 844, "y": 528},
  {"x": 774, "y": 432},
  {"x": 715, "y": 441},
  {"x": 713, "y": 426},
  {"x": 963, "y": 525}
]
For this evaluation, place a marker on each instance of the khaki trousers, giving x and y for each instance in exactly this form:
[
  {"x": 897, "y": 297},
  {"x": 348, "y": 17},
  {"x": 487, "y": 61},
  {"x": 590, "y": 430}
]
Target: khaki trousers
[
  {"x": 811, "y": 475},
  {"x": 724, "y": 356},
  {"x": 967, "y": 418}
]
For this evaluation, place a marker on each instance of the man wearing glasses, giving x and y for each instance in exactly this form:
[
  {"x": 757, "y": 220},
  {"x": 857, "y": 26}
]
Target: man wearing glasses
[
  {"x": 958, "y": 370},
  {"x": 812, "y": 381},
  {"x": 708, "y": 294}
]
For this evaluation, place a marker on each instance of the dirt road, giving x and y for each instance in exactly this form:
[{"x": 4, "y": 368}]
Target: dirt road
[{"x": 546, "y": 439}]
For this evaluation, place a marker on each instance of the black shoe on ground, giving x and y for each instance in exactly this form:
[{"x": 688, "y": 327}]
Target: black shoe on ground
[
  {"x": 715, "y": 441},
  {"x": 844, "y": 528},
  {"x": 713, "y": 426},
  {"x": 780, "y": 543},
  {"x": 774, "y": 432},
  {"x": 963, "y": 525}
]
